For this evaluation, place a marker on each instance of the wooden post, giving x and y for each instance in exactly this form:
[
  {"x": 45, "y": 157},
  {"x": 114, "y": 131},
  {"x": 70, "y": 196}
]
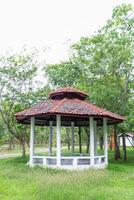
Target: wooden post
[
  {"x": 72, "y": 127},
  {"x": 32, "y": 140},
  {"x": 80, "y": 146},
  {"x": 58, "y": 123},
  {"x": 105, "y": 139},
  {"x": 50, "y": 137},
  {"x": 91, "y": 141}
]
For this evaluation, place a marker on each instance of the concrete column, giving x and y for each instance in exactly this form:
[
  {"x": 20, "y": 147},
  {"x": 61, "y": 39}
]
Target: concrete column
[
  {"x": 32, "y": 140},
  {"x": 50, "y": 137},
  {"x": 72, "y": 129},
  {"x": 95, "y": 137},
  {"x": 58, "y": 124},
  {"x": 91, "y": 141},
  {"x": 105, "y": 139}
]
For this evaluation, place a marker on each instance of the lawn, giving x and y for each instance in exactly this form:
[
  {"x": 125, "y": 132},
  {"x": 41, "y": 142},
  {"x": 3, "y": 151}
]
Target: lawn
[
  {"x": 19, "y": 182},
  {"x": 4, "y": 149}
]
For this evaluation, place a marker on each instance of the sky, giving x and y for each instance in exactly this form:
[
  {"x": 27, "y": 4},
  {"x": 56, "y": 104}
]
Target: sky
[{"x": 51, "y": 25}]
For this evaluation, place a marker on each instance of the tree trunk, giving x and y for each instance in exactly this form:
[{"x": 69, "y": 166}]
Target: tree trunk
[
  {"x": 23, "y": 145},
  {"x": 29, "y": 144},
  {"x": 80, "y": 147},
  {"x": 88, "y": 139},
  {"x": 23, "y": 149},
  {"x": 112, "y": 143},
  {"x": 13, "y": 142},
  {"x": 68, "y": 139},
  {"x": 117, "y": 150},
  {"x": 101, "y": 142},
  {"x": 124, "y": 147},
  {"x": 10, "y": 145}
]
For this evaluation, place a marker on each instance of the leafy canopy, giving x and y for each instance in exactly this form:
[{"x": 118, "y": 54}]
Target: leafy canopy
[{"x": 103, "y": 65}]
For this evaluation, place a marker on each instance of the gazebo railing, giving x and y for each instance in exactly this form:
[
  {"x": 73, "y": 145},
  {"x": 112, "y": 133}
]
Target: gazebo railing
[{"x": 72, "y": 162}]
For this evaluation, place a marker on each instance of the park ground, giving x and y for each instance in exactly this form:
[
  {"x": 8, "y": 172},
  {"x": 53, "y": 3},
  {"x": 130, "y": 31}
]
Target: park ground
[{"x": 19, "y": 182}]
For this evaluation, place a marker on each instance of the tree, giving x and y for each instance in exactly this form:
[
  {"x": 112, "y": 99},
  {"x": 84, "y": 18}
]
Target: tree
[
  {"x": 103, "y": 66},
  {"x": 65, "y": 73},
  {"x": 18, "y": 90},
  {"x": 107, "y": 59}
]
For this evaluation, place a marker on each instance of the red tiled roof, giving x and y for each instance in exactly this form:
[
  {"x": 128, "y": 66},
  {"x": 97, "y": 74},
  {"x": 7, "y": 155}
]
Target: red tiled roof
[
  {"x": 67, "y": 107},
  {"x": 62, "y": 92}
]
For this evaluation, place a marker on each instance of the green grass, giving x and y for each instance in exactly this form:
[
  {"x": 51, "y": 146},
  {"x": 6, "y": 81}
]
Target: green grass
[
  {"x": 65, "y": 152},
  {"x": 19, "y": 182},
  {"x": 4, "y": 149}
]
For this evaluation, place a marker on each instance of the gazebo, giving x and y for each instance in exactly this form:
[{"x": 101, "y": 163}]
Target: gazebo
[{"x": 69, "y": 107}]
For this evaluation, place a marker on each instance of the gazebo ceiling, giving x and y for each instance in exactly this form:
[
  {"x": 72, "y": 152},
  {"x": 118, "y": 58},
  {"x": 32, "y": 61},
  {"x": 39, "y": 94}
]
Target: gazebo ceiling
[{"x": 70, "y": 103}]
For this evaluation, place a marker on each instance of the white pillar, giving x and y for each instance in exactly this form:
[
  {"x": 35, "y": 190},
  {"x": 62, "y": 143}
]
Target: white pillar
[
  {"x": 72, "y": 129},
  {"x": 58, "y": 123},
  {"x": 50, "y": 137},
  {"x": 91, "y": 141},
  {"x": 95, "y": 137},
  {"x": 105, "y": 139},
  {"x": 32, "y": 140}
]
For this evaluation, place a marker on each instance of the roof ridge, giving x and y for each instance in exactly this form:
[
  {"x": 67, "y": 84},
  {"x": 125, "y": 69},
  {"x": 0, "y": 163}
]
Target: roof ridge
[
  {"x": 94, "y": 106},
  {"x": 102, "y": 110},
  {"x": 84, "y": 102}
]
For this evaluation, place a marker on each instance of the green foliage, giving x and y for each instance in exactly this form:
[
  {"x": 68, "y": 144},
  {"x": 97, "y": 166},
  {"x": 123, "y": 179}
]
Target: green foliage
[
  {"x": 19, "y": 89},
  {"x": 3, "y": 132},
  {"x": 17, "y": 72},
  {"x": 66, "y": 74},
  {"x": 103, "y": 65}
]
